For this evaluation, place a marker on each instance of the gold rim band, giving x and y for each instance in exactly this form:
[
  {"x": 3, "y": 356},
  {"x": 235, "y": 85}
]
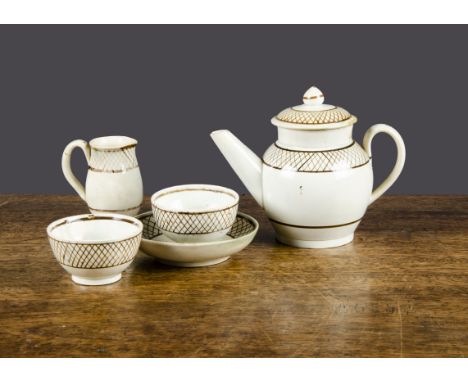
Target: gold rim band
[
  {"x": 114, "y": 149},
  {"x": 92, "y": 217},
  {"x": 315, "y": 227},
  {"x": 231, "y": 193},
  {"x": 316, "y": 172},
  {"x": 115, "y": 211},
  {"x": 194, "y": 213},
  {"x": 316, "y": 151},
  {"x": 107, "y": 266},
  {"x": 313, "y": 97},
  {"x": 112, "y": 171}
]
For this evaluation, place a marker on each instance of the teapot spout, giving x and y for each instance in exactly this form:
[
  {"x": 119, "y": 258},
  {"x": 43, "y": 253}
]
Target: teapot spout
[{"x": 243, "y": 161}]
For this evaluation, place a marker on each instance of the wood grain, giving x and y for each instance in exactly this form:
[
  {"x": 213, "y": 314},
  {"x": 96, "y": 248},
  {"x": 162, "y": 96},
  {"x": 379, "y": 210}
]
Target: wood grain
[{"x": 400, "y": 290}]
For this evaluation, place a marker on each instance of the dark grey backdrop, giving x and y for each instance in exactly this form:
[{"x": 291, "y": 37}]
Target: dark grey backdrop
[{"x": 169, "y": 86}]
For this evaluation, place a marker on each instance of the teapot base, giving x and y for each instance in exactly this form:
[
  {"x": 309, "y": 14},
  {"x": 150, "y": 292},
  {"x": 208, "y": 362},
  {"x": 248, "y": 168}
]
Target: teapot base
[
  {"x": 316, "y": 243},
  {"x": 133, "y": 211}
]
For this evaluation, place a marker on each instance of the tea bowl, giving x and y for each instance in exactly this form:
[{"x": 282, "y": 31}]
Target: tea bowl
[
  {"x": 195, "y": 212},
  {"x": 95, "y": 249}
]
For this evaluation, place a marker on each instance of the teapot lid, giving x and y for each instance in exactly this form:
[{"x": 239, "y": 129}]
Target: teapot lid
[{"x": 313, "y": 114}]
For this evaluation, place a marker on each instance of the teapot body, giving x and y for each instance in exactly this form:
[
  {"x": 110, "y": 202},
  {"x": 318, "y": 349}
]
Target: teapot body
[
  {"x": 316, "y": 186},
  {"x": 315, "y": 182}
]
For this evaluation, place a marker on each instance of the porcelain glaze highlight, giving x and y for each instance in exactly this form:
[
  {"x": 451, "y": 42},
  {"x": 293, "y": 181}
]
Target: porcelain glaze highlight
[
  {"x": 113, "y": 183},
  {"x": 315, "y": 182}
]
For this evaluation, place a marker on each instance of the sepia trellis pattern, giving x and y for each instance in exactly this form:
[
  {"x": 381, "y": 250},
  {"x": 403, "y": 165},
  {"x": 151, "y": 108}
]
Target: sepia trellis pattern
[
  {"x": 305, "y": 117},
  {"x": 118, "y": 160},
  {"x": 316, "y": 161},
  {"x": 94, "y": 256},
  {"x": 242, "y": 226},
  {"x": 193, "y": 223}
]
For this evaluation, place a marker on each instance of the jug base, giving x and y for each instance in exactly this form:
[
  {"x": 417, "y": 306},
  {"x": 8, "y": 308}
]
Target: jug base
[
  {"x": 316, "y": 243},
  {"x": 96, "y": 281}
]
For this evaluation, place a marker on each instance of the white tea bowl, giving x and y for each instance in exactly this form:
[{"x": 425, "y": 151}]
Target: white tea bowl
[
  {"x": 195, "y": 212},
  {"x": 95, "y": 249}
]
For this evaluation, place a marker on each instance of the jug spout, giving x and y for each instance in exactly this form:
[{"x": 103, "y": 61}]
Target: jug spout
[{"x": 243, "y": 161}]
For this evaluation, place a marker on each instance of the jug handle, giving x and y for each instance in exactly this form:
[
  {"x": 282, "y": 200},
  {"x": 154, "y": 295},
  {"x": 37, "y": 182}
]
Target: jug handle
[
  {"x": 66, "y": 168},
  {"x": 400, "y": 160}
]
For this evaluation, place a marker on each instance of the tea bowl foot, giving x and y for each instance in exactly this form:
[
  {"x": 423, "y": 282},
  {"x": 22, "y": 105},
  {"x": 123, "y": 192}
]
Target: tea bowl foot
[
  {"x": 96, "y": 280},
  {"x": 316, "y": 243}
]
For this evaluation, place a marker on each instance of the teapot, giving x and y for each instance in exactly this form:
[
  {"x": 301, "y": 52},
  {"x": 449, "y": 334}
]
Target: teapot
[
  {"x": 315, "y": 182},
  {"x": 113, "y": 182}
]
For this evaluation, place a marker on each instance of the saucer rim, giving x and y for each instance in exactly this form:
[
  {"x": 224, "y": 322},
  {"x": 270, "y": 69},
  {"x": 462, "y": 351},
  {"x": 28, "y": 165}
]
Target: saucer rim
[{"x": 202, "y": 244}]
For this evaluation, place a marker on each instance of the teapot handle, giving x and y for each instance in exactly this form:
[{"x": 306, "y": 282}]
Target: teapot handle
[
  {"x": 400, "y": 160},
  {"x": 66, "y": 168}
]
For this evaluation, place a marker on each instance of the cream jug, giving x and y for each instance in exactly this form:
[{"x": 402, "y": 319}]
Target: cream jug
[
  {"x": 113, "y": 183},
  {"x": 315, "y": 182}
]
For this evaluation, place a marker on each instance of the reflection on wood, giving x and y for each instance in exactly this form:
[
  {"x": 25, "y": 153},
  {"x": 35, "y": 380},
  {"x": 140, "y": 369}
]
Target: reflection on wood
[{"x": 400, "y": 289}]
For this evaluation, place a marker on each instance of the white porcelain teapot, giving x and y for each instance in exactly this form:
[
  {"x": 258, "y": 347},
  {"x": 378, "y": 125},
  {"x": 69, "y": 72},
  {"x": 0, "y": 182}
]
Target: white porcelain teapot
[{"x": 315, "y": 182}]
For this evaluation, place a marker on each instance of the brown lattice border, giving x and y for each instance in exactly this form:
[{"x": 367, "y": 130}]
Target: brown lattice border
[
  {"x": 241, "y": 227},
  {"x": 113, "y": 160},
  {"x": 95, "y": 255},
  {"x": 307, "y": 117},
  {"x": 187, "y": 223},
  {"x": 348, "y": 157}
]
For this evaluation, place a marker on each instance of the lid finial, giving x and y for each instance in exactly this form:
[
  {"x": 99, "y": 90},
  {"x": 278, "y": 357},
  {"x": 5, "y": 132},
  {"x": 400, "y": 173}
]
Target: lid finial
[
  {"x": 313, "y": 114},
  {"x": 313, "y": 96}
]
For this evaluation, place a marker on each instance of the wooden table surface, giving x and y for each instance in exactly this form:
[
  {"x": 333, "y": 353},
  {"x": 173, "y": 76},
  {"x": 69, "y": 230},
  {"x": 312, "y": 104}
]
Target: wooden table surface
[{"x": 400, "y": 290}]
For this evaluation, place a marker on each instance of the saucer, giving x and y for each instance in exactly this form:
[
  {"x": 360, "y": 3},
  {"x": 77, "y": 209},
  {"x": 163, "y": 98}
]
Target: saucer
[{"x": 201, "y": 254}]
